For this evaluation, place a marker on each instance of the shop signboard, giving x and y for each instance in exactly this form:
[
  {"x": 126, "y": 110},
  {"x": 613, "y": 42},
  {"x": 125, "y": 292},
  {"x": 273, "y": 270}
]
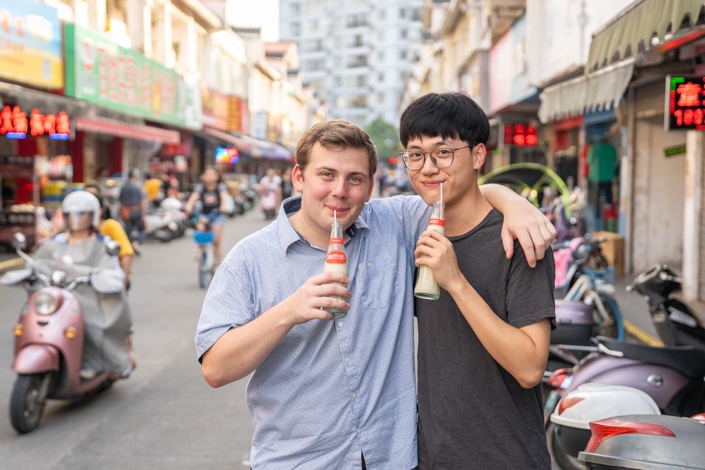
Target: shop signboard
[
  {"x": 101, "y": 72},
  {"x": 214, "y": 106},
  {"x": 16, "y": 124},
  {"x": 685, "y": 102},
  {"x": 30, "y": 44}
]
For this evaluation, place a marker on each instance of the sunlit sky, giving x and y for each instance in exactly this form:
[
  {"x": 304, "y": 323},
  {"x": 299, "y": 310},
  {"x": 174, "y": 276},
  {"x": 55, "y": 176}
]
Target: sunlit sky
[{"x": 257, "y": 13}]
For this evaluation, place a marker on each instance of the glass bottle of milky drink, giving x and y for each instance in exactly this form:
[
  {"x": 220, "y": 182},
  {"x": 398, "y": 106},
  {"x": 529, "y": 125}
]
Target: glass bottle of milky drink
[
  {"x": 336, "y": 261},
  {"x": 426, "y": 286}
]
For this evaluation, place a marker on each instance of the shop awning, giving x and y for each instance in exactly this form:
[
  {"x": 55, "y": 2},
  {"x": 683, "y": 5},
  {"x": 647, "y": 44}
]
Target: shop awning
[
  {"x": 242, "y": 146},
  {"x": 251, "y": 146},
  {"x": 126, "y": 130},
  {"x": 598, "y": 91},
  {"x": 636, "y": 24}
]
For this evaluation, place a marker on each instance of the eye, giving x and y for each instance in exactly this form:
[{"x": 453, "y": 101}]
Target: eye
[
  {"x": 415, "y": 155},
  {"x": 356, "y": 179},
  {"x": 443, "y": 153}
]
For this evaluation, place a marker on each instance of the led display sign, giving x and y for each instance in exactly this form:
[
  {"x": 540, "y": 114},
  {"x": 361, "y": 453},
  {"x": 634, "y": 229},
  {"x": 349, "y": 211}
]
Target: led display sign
[
  {"x": 521, "y": 135},
  {"x": 685, "y": 102},
  {"x": 14, "y": 124},
  {"x": 226, "y": 155}
]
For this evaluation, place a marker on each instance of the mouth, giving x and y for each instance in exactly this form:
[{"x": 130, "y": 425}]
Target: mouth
[{"x": 338, "y": 211}]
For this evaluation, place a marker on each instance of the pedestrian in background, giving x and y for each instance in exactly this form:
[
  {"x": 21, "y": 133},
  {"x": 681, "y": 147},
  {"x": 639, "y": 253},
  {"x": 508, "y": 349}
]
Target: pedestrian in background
[
  {"x": 133, "y": 209},
  {"x": 327, "y": 394},
  {"x": 211, "y": 196},
  {"x": 483, "y": 344}
]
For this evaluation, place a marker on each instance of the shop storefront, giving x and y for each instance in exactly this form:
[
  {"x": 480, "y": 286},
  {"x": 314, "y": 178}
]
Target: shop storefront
[
  {"x": 513, "y": 103},
  {"x": 136, "y": 105},
  {"x": 36, "y": 123}
]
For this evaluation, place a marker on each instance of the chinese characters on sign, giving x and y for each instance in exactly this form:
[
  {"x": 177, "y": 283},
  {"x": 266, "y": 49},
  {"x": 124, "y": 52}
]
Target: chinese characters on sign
[
  {"x": 685, "y": 103},
  {"x": 15, "y": 125}
]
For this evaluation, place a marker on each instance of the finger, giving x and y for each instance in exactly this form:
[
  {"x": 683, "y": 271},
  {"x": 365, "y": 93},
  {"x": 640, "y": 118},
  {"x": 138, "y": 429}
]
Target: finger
[
  {"x": 508, "y": 243},
  {"x": 527, "y": 246}
]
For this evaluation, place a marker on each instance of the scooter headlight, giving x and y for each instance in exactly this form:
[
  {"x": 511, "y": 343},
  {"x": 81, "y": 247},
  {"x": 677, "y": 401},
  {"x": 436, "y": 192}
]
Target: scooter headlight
[{"x": 45, "y": 303}]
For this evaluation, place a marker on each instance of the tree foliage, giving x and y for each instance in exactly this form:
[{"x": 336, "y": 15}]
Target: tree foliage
[{"x": 386, "y": 138}]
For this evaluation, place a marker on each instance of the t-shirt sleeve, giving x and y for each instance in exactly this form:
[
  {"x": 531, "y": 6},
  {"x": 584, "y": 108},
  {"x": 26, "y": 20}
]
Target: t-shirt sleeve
[{"x": 530, "y": 292}]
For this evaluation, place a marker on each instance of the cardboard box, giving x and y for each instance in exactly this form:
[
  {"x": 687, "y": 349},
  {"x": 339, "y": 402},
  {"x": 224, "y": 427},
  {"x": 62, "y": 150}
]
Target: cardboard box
[{"x": 612, "y": 249}]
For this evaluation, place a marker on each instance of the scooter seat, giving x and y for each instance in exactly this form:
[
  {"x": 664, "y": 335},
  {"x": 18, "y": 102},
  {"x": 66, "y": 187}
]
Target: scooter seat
[{"x": 687, "y": 360}]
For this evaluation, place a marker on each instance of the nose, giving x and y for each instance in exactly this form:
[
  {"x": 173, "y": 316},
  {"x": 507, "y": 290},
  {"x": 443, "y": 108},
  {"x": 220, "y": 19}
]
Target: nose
[
  {"x": 340, "y": 188},
  {"x": 428, "y": 166}
]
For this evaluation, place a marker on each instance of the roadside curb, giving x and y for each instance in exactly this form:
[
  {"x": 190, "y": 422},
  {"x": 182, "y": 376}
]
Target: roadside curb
[
  {"x": 10, "y": 263},
  {"x": 641, "y": 335}
]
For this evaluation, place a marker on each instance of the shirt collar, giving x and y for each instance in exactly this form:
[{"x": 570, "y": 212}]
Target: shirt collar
[{"x": 288, "y": 236}]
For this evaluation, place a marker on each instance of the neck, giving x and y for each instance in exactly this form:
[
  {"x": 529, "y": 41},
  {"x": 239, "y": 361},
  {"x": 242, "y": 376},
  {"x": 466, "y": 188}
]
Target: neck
[
  {"x": 308, "y": 231},
  {"x": 465, "y": 214}
]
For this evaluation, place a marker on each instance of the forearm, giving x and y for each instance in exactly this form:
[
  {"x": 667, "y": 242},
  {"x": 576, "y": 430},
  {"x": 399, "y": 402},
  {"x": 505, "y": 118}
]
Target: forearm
[
  {"x": 520, "y": 351},
  {"x": 241, "y": 350},
  {"x": 502, "y": 198}
]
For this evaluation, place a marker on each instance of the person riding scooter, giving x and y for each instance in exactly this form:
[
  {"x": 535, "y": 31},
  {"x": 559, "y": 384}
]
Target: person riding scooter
[{"x": 79, "y": 251}]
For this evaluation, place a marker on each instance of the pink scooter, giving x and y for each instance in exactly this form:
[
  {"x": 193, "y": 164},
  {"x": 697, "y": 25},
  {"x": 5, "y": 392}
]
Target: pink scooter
[{"x": 49, "y": 337}]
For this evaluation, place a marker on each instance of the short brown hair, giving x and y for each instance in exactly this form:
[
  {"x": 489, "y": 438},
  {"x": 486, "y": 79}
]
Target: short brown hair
[{"x": 335, "y": 135}]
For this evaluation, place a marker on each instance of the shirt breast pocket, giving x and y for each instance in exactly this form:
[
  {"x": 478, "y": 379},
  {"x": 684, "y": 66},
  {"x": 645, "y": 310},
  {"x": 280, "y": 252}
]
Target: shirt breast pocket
[{"x": 378, "y": 279}]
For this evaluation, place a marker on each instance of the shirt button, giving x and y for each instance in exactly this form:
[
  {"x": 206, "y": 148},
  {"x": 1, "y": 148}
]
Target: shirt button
[
  {"x": 369, "y": 264},
  {"x": 354, "y": 395},
  {"x": 340, "y": 324},
  {"x": 359, "y": 431},
  {"x": 347, "y": 359}
]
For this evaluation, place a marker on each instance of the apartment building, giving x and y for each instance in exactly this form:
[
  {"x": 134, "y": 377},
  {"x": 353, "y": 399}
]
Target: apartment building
[{"x": 356, "y": 54}]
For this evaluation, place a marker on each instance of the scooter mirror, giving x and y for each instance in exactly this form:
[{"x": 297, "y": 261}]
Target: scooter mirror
[
  {"x": 19, "y": 241},
  {"x": 112, "y": 248}
]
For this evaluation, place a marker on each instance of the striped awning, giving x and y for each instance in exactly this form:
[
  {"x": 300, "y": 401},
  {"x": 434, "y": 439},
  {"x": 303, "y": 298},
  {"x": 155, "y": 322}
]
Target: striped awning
[
  {"x": 632, "y": 29},
  {"x": 598, "y": 91}
]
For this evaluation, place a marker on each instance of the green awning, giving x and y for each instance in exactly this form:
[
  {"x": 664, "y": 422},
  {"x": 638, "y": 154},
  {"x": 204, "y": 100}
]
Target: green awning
[{"x": 636, "y": 24}]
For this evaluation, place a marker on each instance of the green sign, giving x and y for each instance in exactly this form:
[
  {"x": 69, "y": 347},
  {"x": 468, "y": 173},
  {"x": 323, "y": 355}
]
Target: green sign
[
  {"x": 103, "y": 73},
  {"x": 673, "y": 151}
]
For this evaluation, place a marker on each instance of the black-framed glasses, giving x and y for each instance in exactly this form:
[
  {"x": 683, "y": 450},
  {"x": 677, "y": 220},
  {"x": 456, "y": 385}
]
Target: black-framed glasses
[{"x": 441, "y": 158}]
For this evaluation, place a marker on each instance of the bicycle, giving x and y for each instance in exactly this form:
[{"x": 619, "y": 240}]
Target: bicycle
[
  {"x": 596, "y": 288},
  {"x": 203, "y": 235}
]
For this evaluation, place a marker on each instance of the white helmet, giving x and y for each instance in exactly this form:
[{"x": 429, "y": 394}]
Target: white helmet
[{"x": 82, "y": 201}]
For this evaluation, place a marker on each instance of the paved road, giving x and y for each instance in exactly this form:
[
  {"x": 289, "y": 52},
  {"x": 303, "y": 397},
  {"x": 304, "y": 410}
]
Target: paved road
[{"x": 163, "y": 417}]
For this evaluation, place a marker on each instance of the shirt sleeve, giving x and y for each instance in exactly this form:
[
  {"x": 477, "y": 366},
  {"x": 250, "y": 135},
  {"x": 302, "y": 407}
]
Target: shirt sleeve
[
  {"x": 114, "y": 230},
  {"x": 229, "y": 302}
]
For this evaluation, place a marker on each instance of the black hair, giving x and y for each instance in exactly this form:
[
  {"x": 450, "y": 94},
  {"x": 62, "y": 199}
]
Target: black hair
[{"x": 448, "y": 115}]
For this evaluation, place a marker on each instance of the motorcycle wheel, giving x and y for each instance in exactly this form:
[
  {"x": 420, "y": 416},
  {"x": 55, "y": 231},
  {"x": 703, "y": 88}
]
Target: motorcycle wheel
[
  {"x": 27, "y": 401},
  {"x": 558, "y": 455}
]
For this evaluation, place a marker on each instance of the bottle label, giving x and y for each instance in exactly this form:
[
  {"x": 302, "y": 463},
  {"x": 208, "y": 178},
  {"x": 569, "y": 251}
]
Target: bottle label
[
  {"x": 335, "y": 241},
  {"x": 336, "y": 257},
  {"x": 437, "y": 222}
]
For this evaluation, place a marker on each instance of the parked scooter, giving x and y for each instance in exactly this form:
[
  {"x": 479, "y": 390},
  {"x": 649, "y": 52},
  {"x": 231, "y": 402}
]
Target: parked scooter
[
  {"x": 645, "y": 441},
  {"x": 165, "y": 222},
  {"x": 49, "y": 337},
  {"x": 672, "y": 376}
]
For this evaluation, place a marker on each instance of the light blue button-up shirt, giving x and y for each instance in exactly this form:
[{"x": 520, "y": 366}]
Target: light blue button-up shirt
[{"x": 332, "y": 390}]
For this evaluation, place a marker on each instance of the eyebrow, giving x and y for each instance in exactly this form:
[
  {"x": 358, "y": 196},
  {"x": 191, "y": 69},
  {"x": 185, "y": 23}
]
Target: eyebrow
[{"x": 436, "y": 144}]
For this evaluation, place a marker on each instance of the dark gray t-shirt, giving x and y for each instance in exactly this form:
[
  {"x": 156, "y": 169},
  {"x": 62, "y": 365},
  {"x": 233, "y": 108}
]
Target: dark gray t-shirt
[
  {"x": 472, "y": 412},
  {"x": 132, "y": 194}
]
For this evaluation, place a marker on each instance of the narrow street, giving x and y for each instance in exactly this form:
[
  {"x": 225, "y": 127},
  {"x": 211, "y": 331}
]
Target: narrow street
[{"x": 164, "y": 416}]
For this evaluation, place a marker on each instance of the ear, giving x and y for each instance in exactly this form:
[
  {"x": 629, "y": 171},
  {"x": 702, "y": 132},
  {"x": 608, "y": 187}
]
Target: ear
[
  {"x": 479, "y": 156},
  {"x": 297, "y": 179}
]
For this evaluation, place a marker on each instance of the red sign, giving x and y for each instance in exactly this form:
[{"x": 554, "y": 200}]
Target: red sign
[
  {"x": 15, "y": 125},
  {"x": 521, "y": 135}
]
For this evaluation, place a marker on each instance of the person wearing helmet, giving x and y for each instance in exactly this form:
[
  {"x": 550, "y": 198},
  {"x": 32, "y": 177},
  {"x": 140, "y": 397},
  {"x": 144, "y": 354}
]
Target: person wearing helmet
[{"x": 80, "y": 250}]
